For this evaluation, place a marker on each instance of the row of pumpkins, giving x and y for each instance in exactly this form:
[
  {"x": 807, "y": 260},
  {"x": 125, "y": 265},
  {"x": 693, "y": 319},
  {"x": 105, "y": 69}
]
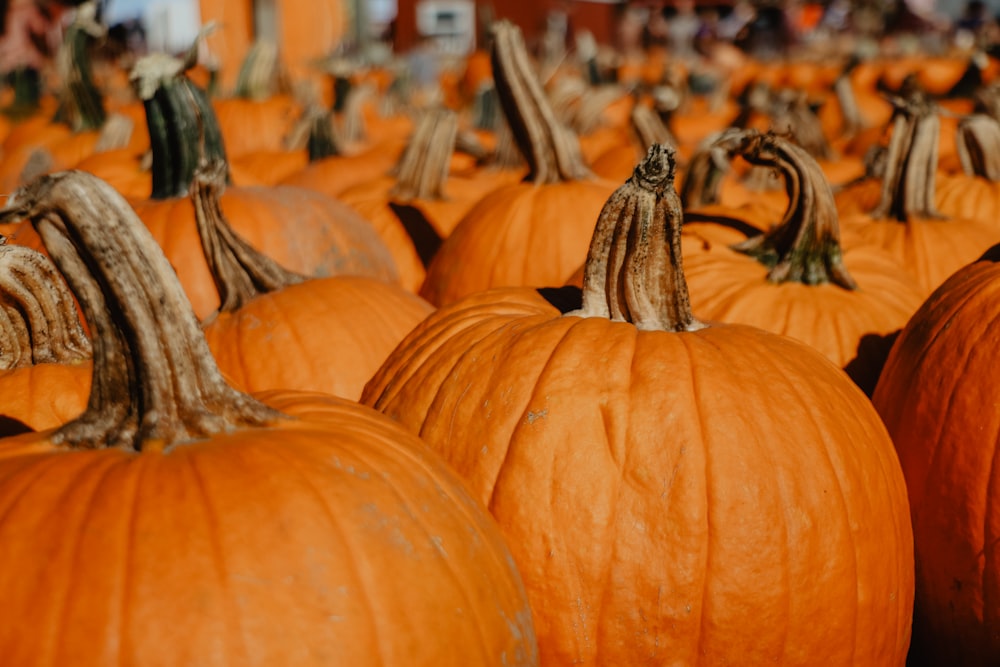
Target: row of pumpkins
[{"x": 588, "y": 452}]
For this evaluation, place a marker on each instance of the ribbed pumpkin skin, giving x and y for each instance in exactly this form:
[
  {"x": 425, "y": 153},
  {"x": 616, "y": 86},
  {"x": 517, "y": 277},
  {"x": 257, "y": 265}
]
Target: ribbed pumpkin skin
[
  {"x": 929, "y": 250},
  {"x": 663, "y": 493},
  {"x": 303, "y": 231},
  {"x": 290, "y": 545},
  {"x": 728, "y": 286},
  {"x": 327, "y": 334},
  {"x": 43, "y": 396},
  {"x": 938, "y": 396},
  {"x": 518, "y": 235}
]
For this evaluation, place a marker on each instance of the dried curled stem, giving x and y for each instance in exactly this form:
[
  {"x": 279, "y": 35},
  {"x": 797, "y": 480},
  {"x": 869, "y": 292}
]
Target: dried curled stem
[
  {"x": 239, "y": 270},
  {"x": 634, "y": 271},
  {"x": 39, "y": 318},
  {"x": 155, "y": 382},
  {"x": 805, "y": 246},
  {"x": 551, "y": 149},
  {"x": 708, "y": 166}
]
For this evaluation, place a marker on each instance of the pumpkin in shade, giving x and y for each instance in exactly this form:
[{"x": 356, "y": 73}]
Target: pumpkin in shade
[
  {"x": 44, "y": 352},
  {"x": 184, "y": 522},
  {"x": 530, "y": 233},
  {"x": 938, "y": 398},
  {"x": 279, "y": 330},
  {"x": 301, "y": 229},
  {"x": 898, "y": 212},
  {"x": 673, "y": 491},
  {"x": 797, "y": 279}
]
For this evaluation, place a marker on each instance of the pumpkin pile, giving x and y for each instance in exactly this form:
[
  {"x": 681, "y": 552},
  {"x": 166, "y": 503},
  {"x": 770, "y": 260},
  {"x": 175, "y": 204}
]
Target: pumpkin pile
[{"x": 561, "y": 356}]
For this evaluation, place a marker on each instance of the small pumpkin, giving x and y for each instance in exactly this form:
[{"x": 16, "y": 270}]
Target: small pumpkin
[{"x": 44, "y": 352}]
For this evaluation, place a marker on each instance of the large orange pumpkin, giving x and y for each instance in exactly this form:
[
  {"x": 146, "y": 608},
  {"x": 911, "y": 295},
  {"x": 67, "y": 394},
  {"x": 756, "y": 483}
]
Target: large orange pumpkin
[
  {"x": 183, "y": 522},
  {"x": 938, "y": 398},
  {"x": 673, "y": 491}
]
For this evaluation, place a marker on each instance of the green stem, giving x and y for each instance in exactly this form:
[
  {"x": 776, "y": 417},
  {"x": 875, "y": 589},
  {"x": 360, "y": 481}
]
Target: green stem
[
  {"x": 183, "y": 129},
  {"x": 80, "y": 105}
]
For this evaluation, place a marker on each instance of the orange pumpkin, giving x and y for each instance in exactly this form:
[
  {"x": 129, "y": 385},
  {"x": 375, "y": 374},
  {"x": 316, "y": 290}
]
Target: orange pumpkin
[
  {"x": 278, "y": 330},
  {"x": 529, "y": 233},
  {"x": 303, "y": 531},
  {"x": 642, "y": 463},
  {"x": 797, "y": 278},
  {"x": 303, "y": 230},
  {"x": 938, "y": 397},
  {"x": 904, "y": 219}
]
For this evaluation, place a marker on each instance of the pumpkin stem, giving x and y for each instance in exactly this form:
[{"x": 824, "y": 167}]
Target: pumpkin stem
[
  {"x": 805, "y": 246},
  {"x": 911, "y": 161},
  {"x": 239, "y": 270},
  {"x": 155, "y": 382},
  {"x": 423, "y": 167},
  {"x": 41, "y": 324},
  {"x": 80, "y": 105},
  {"x": 352, "y": 119},
  {"x": 650, "y": 128},
  {"x": 174, "y": 107},
  {"x": 27, "y": 85},
  {"x": 978, "y": 144},
  {"x": 633, "y": 271},
  {"x": 257, "y": 79},
  {"x": 506, "y": 155},
  {"x": 843, "y": 90},
  {"x": 551, "y": 149},
  {"x": 794, "y": 116},
  {"x": 987, "y": 100},
  {"x": 708, "y": 166}
]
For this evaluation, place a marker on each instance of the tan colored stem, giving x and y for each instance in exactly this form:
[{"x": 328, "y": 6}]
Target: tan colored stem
[
  {"x": 650, "y": 128},
  {"x": 240, "y": 271},
  {"x": 708, "y": 166},
  {"x": 155, "y": 383},
  {"x": 843, "y": 89},
  {"x": 551, "y": 149},
  {"x": 805, "y": 246},
  {"x": 978, "y": 144},
  {"x": 423, "y": 167},
  {"x": 911, "y": 162},
  {"x": 633, "y": 271},
  {"x": 506, "y": 154},
  {"x": 41, "y": 310}
]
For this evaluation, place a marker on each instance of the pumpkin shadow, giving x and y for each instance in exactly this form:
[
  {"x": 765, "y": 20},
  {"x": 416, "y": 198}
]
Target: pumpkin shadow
[
  {"x": 425, "y": 238},
  {"x": 10, "y": 426},
  {"x": 565, "y": 299},
  {"x": 866, "y": 366}
]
